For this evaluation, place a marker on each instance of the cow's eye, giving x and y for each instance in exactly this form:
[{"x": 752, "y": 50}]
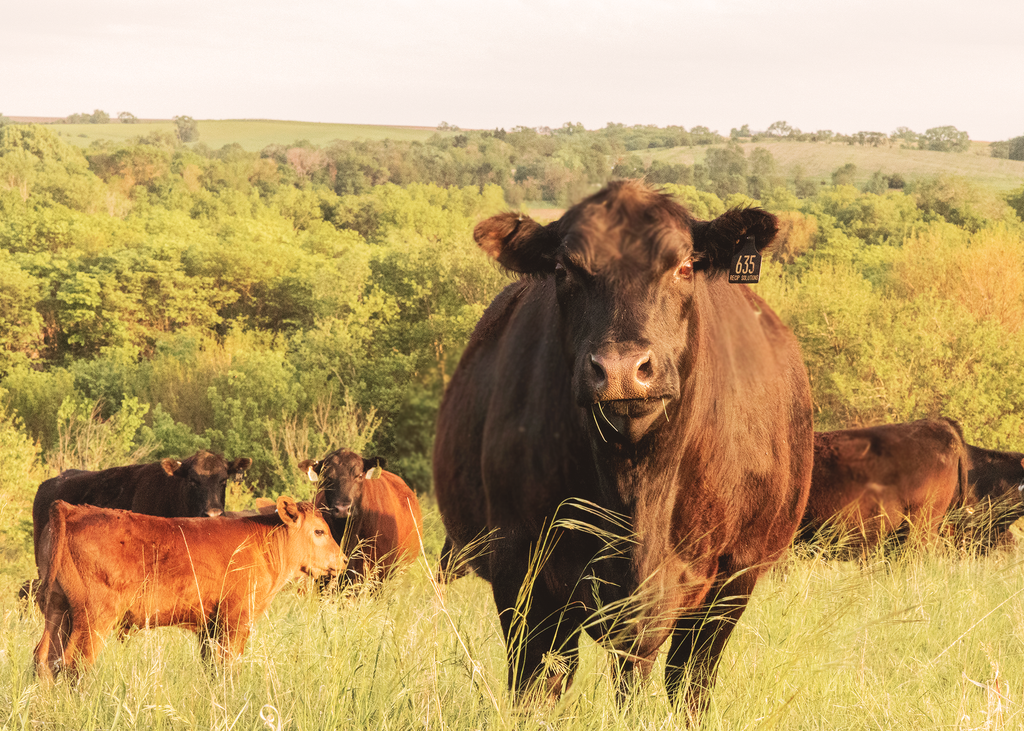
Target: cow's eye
[
  {"x": 684, "y": 270},
  {"x": 319, "y": 531},
  {"x": 560, "y": 271}
]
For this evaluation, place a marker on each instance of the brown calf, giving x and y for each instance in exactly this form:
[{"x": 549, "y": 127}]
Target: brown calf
[{"x": 214, "y": 576}]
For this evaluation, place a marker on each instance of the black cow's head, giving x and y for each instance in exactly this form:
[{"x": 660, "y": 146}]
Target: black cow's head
[
  {"x": 626, "y": 264},
  {"x": 340, "y": 477},
  {"x": 205, "y": 478}
]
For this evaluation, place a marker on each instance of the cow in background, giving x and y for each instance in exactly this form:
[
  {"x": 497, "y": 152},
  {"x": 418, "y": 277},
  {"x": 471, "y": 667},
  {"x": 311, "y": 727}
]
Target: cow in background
[
  {"x": 215, "y": 576},
  {"x": 883, "y": 483},
  {"x": 191, "y": 488},
  {"x": 629, "y": 433},
  {"x": 374, "y": 516},
  {"x": 994, "y": 500}
]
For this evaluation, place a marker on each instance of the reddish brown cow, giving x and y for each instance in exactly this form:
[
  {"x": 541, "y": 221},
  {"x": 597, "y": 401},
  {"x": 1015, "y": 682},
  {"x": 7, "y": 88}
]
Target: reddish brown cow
[
  {"x": 374, "y": 517},
  {"x": 885, "y": 481},
  {"x": 169, "y": 488},
  {"x": 629, "y": 433},
  {"x": 214, "y": 576}
]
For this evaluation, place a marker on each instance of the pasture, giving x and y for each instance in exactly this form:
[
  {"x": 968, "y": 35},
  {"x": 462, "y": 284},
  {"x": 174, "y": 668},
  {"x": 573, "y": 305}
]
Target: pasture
[
  {"x": 252, "y": 134},
  {"x": 929, "y": 642},
  {"x": 817, "y": 161}
]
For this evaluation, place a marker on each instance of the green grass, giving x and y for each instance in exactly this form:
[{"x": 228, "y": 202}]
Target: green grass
[
  {"x": 251, "y": 134},
  {"x": 819, "y": 160},
  {"x": 933, "y": 642}
]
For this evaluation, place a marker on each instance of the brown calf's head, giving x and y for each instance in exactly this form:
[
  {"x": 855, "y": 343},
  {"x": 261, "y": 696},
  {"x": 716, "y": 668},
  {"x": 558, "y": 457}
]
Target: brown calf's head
[
  {"x": 626, "y": 264},
  {"x": 204, "y": 478},
  {"x": 340, "y": 477},
  {"x": 311, "y": 548}
]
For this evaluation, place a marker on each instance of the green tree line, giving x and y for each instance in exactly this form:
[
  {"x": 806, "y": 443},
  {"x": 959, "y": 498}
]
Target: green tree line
[{"x": 157, "y": 298}]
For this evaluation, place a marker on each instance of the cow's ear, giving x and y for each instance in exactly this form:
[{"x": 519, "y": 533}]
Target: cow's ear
[
  {"x": 518, "y": 243},
  {"x": 288, "y": 510},
  {"x": 373, "y": 466},
  {"x": 311, "y": 468},
  {"x": 722, "y": 238},
  {"x": 170, "y": 466},
  {"x": 239, "y": 465},
  {"x": 853, "y": 449}
]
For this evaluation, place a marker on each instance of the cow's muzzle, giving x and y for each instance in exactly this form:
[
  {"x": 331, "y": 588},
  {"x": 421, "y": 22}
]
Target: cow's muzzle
[{"x": 628, "y": 420}]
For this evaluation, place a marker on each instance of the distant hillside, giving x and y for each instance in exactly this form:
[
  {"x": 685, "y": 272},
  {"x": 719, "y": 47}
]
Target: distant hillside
[
  {"x": 252, "y": 134},
  {"x": 820, "y": 159},
  {"x": 816, "y": 161}
]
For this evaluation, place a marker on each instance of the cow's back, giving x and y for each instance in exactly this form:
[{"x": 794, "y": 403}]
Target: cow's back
[
  {"x": 875, "y": 479},
  {"x": 115, "y": 487}
]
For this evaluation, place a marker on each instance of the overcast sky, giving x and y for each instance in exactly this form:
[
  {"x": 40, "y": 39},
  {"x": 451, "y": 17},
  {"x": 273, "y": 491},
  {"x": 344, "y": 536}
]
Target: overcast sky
[{"x": 862, "y": 65}]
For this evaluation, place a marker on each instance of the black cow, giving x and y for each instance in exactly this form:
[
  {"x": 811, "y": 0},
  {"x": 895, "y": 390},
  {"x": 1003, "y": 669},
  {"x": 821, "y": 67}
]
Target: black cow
[
  {"x": 192, "y": 488},
  {"x": 994, "y": 500},
  {"x": 630, "y": 434}
]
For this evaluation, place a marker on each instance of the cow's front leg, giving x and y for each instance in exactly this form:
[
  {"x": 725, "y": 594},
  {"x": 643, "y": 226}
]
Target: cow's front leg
[
  {"x": 541, "y": 632},
  {"x": 698, "y": 640}
]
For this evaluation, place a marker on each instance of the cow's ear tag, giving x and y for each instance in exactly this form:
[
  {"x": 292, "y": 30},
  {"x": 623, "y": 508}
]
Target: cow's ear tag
[
  {"x": 313, "y": 476},
  {"x": 746, "y": 265},
  {"x": 374, "y": 474}
]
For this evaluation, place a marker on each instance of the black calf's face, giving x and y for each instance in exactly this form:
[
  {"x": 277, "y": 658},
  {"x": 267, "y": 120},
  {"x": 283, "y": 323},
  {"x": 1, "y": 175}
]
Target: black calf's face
[
  {"x": 205, "y": 476},
  {"x": 340, "y": 476},
  {"x": 625, "y": 265}
]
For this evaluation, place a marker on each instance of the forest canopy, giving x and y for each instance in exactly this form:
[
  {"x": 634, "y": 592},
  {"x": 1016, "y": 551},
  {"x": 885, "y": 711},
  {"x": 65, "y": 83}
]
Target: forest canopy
[{"x": 157, "y": 297}]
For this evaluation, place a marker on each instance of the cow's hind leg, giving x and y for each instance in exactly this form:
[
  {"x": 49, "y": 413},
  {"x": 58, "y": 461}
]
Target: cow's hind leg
[
  {"x": 698, "y": 640},
  {"x": 88, "y": 635},
  {"x": 54, "y": 647}
]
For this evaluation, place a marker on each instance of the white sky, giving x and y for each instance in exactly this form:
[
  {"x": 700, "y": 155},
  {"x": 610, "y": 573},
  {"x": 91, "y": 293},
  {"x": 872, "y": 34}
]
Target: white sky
[{"x": 870, "y": 65}]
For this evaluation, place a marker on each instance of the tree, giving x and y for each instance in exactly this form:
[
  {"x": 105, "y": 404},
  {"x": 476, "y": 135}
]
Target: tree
[
  {"x": 906, "y": 137},
  {"x": 186, "y": 128},
  {"x": 127, "y": 118},
  {"x": 780, "y": 129},
  {"x": 844, "y": 175},
  {"x": 946, "y": 139},
  {"x": 1015, "y": 149},
  {"x": 631, "y": 166}
]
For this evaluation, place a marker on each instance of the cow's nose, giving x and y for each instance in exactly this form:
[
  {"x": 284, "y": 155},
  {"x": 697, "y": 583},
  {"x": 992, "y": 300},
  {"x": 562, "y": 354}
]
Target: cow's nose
[
  {"x": 214, "y": 512},
  {"x": 341, "y": 510},
  {"x": 617, "y": 374}
]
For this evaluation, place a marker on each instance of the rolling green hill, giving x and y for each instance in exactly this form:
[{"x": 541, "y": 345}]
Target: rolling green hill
[
  {"x": 252, "y": 134},
  {"x": 819, "y": 159},
  {"x": 816, "y": 160}
]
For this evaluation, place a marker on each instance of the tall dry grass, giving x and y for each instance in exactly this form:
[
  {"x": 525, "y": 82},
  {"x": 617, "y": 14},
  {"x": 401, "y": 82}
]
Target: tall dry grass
[{"x": 929, "y": 642}]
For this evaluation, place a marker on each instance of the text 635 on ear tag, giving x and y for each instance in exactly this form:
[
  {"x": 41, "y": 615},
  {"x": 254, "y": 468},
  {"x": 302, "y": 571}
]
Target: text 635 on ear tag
[{"x": 746, "y": 265}]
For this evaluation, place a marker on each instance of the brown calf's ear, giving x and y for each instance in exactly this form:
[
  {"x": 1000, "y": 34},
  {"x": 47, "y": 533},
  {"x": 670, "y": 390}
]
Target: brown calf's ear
[
  {"x": 170, "y": 465},
  {"x": 720, "y": 239},
  {"x": 517, "y": 242},
  {"x": 288, "y": 509}
]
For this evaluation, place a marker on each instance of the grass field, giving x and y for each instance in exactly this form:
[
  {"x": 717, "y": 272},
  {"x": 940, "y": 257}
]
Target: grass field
[
  {"x": 818, "y": 161},
  {"x": 934, "y": 642},
  {"x": 251, "y": 134}
]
